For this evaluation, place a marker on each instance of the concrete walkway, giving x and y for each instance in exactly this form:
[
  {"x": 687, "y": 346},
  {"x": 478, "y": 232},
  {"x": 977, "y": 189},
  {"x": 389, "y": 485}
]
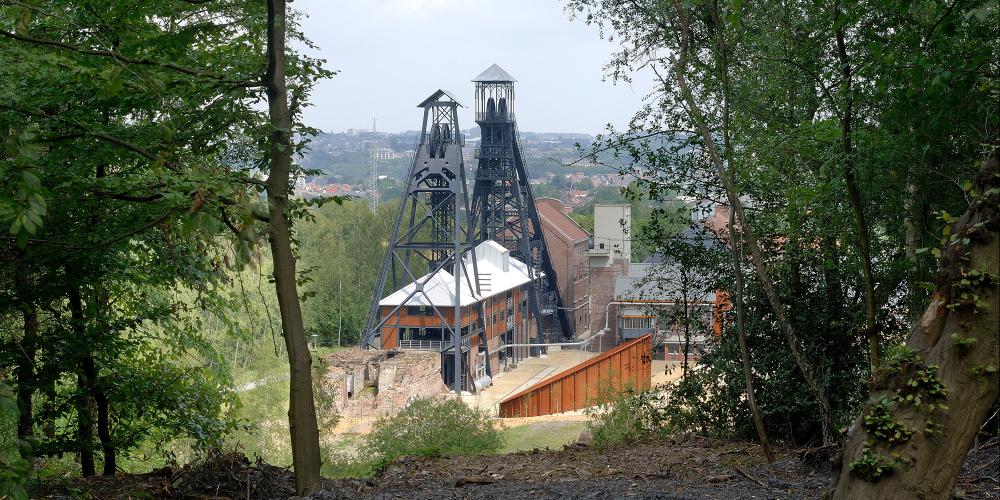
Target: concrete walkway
[{"x": 528, "y": 373}]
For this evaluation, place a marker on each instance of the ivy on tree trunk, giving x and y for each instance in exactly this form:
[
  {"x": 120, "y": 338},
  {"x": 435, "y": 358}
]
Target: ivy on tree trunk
[{"x": 927, "y": 406}]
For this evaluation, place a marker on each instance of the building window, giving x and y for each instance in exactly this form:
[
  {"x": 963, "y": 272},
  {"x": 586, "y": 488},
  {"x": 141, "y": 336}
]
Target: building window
[
  {"x": 637, "y": 323},
  {"x": 420, "y": 310}
]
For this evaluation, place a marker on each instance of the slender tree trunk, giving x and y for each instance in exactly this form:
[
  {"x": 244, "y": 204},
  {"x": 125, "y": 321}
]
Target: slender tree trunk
[
  {"x": 736, "y": 248},
  {"x": 956, "y": 344},
  {"x": 91, "y": 375},
  {"x": 817, "y": 390},
  {"x": 911, "y": 232},
  {"x": 301, "y": 408},
  {"x": 687, "y": 320},
  {"x": 85, "y": 406},
  {"x": 735, "y": 244},
  {"x": 854, "y": 193},
  {"x": 25, "y": 371}
]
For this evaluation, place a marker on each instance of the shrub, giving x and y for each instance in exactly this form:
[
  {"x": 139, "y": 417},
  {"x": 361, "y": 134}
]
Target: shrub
[
  {"x": 628, "y": 417},
  {"x": 429, "y": 427},
  {"x": 15, "y": 471}
]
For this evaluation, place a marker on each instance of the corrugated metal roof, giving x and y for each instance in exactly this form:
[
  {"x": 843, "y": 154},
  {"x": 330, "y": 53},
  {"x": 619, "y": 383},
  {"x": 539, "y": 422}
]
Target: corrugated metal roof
[
  {"x": 437, "y": 95},
  {"x": 658, "y": 282},
  {"x": 439, "y": 289},
  {"x": 494, "y": 74}
]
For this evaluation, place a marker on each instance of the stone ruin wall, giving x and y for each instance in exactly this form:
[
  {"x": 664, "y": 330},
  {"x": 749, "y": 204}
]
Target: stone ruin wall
[{"x": 374, "y": 383}]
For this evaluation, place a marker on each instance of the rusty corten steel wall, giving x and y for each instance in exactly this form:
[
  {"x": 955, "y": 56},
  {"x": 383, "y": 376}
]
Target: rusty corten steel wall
[{"x": 629, "y": 365}]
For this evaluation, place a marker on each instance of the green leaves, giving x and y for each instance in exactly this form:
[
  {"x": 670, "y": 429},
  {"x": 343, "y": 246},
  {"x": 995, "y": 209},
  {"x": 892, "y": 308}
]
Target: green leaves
[
  {"x": 24, "y": 213},
  {"x": 113, "y": 81},
  {"x": 15, "y": 471}
]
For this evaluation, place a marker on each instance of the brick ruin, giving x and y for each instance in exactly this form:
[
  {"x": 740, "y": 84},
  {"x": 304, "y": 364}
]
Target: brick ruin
[{"x": 372, "y": 383}]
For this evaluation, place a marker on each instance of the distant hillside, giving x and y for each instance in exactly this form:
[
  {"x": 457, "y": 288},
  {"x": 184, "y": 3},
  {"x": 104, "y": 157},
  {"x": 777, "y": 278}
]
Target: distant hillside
[{"x": 346, "y": 156}]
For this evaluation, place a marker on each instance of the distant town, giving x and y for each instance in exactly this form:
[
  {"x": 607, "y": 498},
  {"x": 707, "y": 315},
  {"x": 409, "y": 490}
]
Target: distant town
[{"x": 352, "y": 162}]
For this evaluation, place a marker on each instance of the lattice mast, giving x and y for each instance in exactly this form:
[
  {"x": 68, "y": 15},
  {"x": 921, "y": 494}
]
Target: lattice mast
[
  {"x": 375, "y": 145},
  {"x": 503, "y": 207},
  {"x": 434, "y": 234}
]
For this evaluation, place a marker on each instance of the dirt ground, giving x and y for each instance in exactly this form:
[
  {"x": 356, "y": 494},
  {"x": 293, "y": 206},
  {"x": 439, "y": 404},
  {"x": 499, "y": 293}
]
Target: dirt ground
[{"x": 683, "y": 467}]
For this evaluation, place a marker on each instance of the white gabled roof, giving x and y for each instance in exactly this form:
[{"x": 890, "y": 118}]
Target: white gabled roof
[
  {"x": 498, "y": 273},
  {"x": 494, "y": 74},
  {"x": 436, "y": 96}
]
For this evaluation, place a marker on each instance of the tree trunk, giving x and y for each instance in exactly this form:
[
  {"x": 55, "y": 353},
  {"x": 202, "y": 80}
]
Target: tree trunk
[
  {"x": 736, "y": 248},
  {"x": 25, "y": 375},
  {"x": 735, "y": 244},
  {"x": 26, "y": 360},
  {"x": 912, "y": 234},
  {"x": 854, "y": 193},
  {"x": 955, "y": 347},
  {"x": 301, "y": 408},
  {"x": 817, "y": 390},
  {"x": 103, "y": 422},
  {"x": 84, "y": 407},
  {"x": 687, "y": 320}
]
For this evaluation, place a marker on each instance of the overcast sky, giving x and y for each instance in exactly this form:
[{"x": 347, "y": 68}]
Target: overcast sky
[{"x": 391, "y": 54}]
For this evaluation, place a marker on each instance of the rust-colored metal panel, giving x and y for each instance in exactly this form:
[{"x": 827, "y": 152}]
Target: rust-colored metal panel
[
  {"x": 593, "y": 383},
  {"x": 626, "y": 366},
  {"x": 566, "y": 386},
  {"x": 544, "y": 405}
]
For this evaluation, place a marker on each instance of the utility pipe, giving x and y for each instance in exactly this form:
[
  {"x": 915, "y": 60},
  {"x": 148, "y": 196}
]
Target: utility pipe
[
  {"x": 606, "y": 329},
  {"x": 554, "y": 344}
]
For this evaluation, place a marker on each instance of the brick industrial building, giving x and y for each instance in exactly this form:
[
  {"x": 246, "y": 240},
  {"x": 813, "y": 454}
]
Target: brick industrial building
[
  {"x": 498, "y": 315},
  {"x": 587, "y": 265},
  {"x": 602, "y": 287}
]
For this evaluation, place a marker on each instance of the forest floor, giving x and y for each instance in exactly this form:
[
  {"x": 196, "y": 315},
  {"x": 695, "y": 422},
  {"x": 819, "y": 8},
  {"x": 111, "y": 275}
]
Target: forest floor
[{"x": 682, "y": 467}]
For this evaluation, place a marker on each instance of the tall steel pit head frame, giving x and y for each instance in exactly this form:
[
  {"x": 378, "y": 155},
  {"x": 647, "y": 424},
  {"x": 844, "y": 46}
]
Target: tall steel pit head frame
[
  {"x": 429, "y": 234},
  {"x": 503, "y": 206}
]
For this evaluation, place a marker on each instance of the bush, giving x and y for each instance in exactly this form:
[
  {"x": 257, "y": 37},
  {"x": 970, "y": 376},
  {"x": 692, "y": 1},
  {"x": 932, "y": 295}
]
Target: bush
[
  {"x": 429, "y": 427},
  {"x": 628, "y": 417},
  {"x": 15, "y": 471}
]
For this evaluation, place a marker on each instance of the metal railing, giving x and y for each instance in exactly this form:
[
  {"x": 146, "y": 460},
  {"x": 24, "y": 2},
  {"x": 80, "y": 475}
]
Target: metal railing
[
  {"x": 433, "y": 345},
  {"x": 482, "y": 116},
  {"x": 421, "y": 345}
]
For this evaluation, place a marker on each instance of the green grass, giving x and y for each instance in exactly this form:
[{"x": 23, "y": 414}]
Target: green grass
[
  {"x": 265, "y": 407},
  {"x": 552, "y": 435},
  {"x": 347, "y": 468}
]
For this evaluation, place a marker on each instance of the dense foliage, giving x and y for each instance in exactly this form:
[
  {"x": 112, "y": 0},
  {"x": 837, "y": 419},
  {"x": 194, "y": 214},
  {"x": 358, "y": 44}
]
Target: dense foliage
[
  {"x": 629, "y": 417},
  {"x": 131, "y": 141},
  {"x": 850, "y": 129},
  {"x": 433, "y": 428}
]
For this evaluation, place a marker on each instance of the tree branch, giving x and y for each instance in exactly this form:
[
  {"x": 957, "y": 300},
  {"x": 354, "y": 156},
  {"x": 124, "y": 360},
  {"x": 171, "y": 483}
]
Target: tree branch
[
  {"x": 118, "y": 56},
  {"x": 135, "y": 148}
]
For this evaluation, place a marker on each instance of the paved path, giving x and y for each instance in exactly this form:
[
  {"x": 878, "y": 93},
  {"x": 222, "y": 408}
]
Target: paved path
[{"x": 529, "y": 372}]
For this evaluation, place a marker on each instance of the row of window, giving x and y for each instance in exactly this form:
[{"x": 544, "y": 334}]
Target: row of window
[
  {"x": 637, "y": 323},
  {"x": 420, "y": 310}
]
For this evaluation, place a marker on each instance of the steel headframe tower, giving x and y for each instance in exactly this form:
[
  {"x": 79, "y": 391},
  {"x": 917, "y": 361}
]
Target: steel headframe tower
[
  {"x": 503, "y": 208},
  {"x": 434, "y": 201}
]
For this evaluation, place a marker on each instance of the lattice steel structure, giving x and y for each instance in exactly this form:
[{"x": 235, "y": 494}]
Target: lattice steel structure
[
  {"x": 435, "y": 205},
  {"x": 503, "y": 207}
]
